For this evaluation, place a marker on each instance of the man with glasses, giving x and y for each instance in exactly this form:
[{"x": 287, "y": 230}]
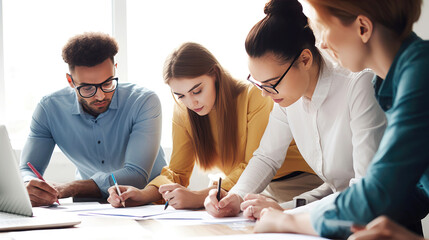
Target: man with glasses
[{"x": 103, "y": 127}]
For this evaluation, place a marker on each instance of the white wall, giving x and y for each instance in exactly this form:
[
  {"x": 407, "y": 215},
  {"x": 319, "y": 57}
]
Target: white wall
[{"x": 422, "y": 26}]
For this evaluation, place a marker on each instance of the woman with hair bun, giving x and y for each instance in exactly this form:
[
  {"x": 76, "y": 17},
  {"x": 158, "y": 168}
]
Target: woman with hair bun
[
  {"x": 330, "y": 112},
  {"x": 377, "y": 35}
]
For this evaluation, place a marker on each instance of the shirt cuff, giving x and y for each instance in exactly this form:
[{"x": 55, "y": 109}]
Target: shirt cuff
[
  {"x": 323, "y": 217},
  {"x": 227, "y": 184},
  {"x": 158, "y": 181},
  {"x": 28, "y": 177},
  {"x": 236, "y": 190},
  {"x": 103, "y": 182}
]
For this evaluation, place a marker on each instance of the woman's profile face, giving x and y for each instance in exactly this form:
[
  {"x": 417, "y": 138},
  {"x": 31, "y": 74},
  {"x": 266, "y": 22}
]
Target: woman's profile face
[
  {"x": 198, "y": 94},
  {"x": 341, "y": 41},
  {"x": 268, "y": 70}
]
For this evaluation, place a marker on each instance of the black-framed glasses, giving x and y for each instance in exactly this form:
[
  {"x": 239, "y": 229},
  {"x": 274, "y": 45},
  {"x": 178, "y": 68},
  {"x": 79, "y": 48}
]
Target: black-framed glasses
[
  {"x": 89, "y": 90},
  {"x": 272, "y": 88}
]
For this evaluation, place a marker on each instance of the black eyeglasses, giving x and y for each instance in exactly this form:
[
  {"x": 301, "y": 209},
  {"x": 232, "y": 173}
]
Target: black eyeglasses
[
  {"x": 89, "y": 90},
  {"x": 271, "y": 88}
]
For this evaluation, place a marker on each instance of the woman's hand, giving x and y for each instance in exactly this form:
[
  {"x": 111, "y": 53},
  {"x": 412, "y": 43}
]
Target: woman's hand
[
  {"x": 382, "y": 228},
  {"x": 273, "y": 220},
  {"x": 254, "y": 203},
  {"x": 180, "y": 197},
  {"x": 130, "y": 195},
  {"x": 228, "y": 206}
]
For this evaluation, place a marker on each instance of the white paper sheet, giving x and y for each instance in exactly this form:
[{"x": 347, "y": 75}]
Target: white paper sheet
[
  {"x": 202, "y": 216},
  {"x": 132, "y": 212},
  {"x": 79, "y": 207},
  {"x": 157, "y": 212},
  {"x": 261, "y": 236}
]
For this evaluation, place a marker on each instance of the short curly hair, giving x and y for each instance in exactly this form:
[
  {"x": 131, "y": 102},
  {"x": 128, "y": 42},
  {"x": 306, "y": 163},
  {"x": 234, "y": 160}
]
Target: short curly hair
[{"x": 89, "y": 49}]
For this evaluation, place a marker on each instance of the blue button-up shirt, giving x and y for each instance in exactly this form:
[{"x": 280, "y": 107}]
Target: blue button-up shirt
[
  {"x": 397, "y": 181},
  {"x": 124, "y": 140}
]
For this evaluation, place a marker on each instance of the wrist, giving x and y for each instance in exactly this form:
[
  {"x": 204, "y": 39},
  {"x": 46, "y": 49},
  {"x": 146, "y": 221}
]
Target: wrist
[
  {"x": 149, "y": 194},
  {"x": 66, "y": 190},
  {"x": 240, "y": 199},
  {"x": 200, "y": 197},
  {"x": 286, "y": 224}
]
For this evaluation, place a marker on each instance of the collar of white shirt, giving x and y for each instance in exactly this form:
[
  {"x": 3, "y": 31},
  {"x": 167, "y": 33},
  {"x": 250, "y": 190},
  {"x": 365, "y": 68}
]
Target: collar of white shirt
[{"x": 322, "y": 89}]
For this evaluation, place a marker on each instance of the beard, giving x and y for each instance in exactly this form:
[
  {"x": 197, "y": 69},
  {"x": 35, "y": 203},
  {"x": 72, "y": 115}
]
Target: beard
[{"x": 90, "y": 108}]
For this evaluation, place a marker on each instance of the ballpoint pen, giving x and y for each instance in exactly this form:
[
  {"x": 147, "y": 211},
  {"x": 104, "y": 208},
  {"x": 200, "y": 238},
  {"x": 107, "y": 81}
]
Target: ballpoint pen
[
  {"x": 117, "y": 189},
  {"x": 218, "y": 190},
  {"x": 166, "y": 205},
  {"x": 39, "y": 176}
]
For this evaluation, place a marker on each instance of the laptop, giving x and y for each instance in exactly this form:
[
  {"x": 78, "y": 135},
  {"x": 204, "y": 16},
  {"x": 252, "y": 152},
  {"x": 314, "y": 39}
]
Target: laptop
[{"x": 16, "y": 212}]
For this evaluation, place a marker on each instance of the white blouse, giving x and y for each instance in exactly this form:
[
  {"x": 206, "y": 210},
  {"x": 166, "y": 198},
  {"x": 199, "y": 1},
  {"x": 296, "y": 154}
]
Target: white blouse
[{"x": 337, "y": 132}]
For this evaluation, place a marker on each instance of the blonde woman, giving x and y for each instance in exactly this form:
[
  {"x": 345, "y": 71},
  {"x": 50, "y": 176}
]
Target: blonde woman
[{"x": 217, "y": 124}]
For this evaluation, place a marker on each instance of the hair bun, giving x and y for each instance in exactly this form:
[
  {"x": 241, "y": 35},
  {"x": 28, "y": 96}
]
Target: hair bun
[{"x": 290, "y": 10}]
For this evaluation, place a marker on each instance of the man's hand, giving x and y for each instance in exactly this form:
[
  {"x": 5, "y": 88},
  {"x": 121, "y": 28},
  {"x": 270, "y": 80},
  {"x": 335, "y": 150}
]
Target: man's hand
[
  {"x": 41, "y": 193},
  {"x": 77, "y": 188},
  {"x": 180, "y": 197},
  {"x": 254, "y": 203},
  {"x": 64, "y": 189},
  {"x": 228, "y": 206}
]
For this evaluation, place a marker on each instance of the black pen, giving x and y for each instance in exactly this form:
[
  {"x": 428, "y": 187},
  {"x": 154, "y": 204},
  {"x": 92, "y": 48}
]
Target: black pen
[{"x": 218, "y": 188}]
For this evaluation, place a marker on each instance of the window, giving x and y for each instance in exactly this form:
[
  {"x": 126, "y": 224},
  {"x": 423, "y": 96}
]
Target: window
[
  {"x": 34, "y": 33},
  {"x": 156, "y": 28}
]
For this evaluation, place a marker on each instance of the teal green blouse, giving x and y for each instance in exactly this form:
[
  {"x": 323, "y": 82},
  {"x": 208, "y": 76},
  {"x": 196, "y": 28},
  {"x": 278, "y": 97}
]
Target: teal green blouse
[{"x": 397, "y": 181}]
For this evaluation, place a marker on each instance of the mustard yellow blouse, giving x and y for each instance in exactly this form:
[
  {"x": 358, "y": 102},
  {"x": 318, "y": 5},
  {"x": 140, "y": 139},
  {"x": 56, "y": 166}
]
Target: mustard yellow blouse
[{"x": 253, "y": 113}]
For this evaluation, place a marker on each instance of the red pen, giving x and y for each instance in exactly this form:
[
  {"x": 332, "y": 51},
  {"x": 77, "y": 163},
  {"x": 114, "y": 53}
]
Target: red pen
[{"x": 38, "y": 175}]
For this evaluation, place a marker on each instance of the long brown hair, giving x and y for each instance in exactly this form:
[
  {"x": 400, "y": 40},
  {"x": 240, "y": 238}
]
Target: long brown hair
[
  {"x": 192, "y": 60},
  {"x": 396, "y": 15}
]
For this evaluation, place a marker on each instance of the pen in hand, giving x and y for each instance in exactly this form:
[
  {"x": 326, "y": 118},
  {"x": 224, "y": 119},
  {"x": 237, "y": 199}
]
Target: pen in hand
[
  {"x": 166, "y": 205},
  {"x": 117, "y": 189},
  {"x": 218, "y": 190},
  {"x": 39, "y": 176}
]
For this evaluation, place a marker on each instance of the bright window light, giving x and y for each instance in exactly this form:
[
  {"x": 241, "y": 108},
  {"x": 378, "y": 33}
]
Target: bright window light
[
  {"x": 156, "y": 28},
  {"x": 34, "y": 34}
]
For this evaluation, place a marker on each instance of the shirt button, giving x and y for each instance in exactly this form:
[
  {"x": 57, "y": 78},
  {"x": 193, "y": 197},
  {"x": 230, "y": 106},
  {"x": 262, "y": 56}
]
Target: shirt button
[
  {"x": 102, "y": 161},
  {"x": 95, "y": 121},
  {"x": 99, "y": 142}
]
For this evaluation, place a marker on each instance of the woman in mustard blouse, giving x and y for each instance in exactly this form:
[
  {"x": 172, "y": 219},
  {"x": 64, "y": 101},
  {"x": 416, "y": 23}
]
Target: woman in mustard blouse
[{"x": 217, "y": 124}]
